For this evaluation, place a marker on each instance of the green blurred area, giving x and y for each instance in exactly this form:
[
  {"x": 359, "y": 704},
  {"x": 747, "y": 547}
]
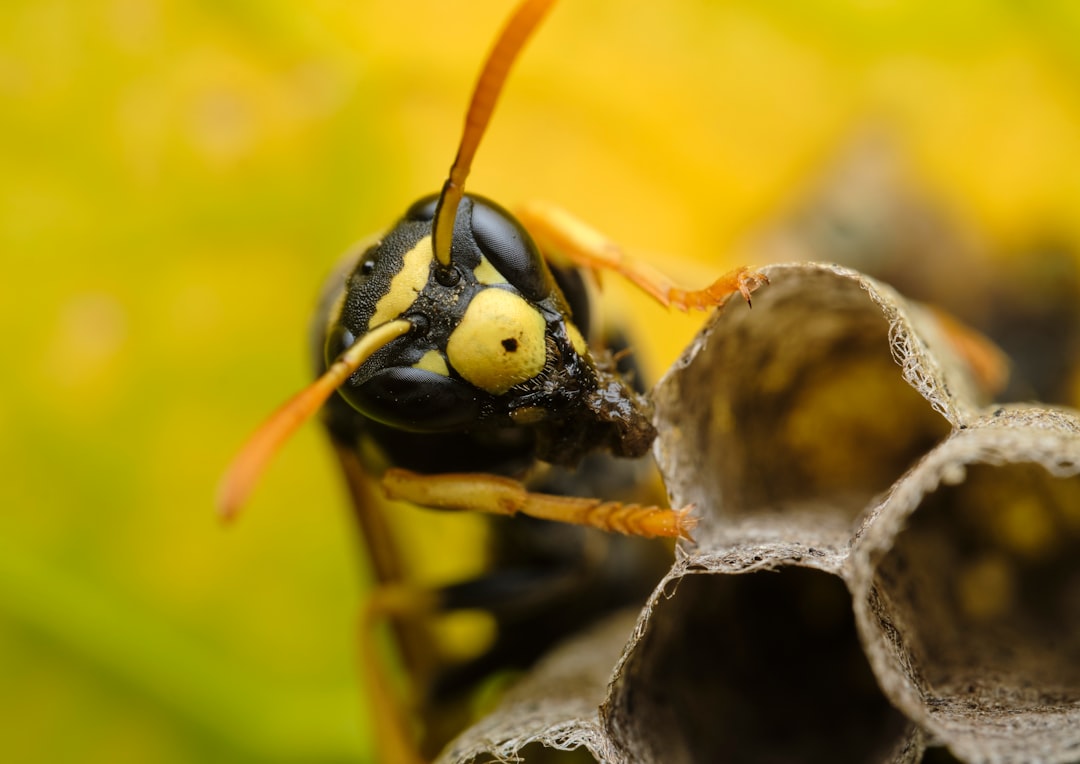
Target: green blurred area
[{"x": 177, "y": 177}]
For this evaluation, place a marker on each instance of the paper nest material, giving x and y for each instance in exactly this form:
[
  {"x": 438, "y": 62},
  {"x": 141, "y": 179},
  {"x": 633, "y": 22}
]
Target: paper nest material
[{"x": 883, "y": 562}]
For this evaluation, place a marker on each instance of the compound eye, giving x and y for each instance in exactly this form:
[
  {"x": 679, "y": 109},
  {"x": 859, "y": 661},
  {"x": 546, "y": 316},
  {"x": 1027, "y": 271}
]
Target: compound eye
[
  {"x": 415, "y": 399},
  {"x": 508, "y": 247},
  {"x": 423, "y": 210}
]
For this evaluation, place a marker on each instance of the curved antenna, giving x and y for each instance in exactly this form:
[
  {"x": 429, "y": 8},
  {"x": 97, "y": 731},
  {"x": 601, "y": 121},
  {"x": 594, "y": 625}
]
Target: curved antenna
[
  {"x": 510, "y": 42},
  {"x": 251, "y": 462}
]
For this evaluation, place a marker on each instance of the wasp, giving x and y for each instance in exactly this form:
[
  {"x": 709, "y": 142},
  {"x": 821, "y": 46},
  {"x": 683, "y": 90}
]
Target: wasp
[{"x": 458, "y": 369}]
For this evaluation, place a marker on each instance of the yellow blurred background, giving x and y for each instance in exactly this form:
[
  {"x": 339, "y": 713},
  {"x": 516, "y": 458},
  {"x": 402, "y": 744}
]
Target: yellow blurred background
[{"x": 176, "y": 178}]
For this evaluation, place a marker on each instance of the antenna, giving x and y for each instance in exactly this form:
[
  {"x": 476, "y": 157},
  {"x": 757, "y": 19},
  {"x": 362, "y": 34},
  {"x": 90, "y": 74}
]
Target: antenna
[
  {"x": 510, "y": 42},
  {"x": 251, "y": 462}
]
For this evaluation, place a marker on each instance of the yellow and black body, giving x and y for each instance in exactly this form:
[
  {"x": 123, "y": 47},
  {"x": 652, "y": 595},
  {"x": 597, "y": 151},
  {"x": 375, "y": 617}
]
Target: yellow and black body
[
  {"x": 459, "y": 369},
  {"x": 495, "y": 377}
]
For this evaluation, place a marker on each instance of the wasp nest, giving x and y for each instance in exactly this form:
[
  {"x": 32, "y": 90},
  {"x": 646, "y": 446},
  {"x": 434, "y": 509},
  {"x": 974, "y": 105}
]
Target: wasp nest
[{"x": 882, "y": 563}]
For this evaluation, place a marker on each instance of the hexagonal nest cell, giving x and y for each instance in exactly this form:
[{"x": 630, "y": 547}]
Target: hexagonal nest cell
[
  {"x": 882, "y": 563},
  {"x": 759, "y": 667},
  {"x": 988, "y": 571},
  {"x": 968, "y": 589},
  {"x": 798, "y": 406}
]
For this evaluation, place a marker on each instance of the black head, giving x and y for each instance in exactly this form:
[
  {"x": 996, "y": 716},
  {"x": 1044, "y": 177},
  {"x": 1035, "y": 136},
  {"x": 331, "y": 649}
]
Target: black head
[{"x": 492, "y": 342}]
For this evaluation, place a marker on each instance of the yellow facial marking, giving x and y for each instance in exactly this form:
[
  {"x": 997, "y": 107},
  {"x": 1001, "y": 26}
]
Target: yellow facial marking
[
  {"x": 576, "y": 339},
  {"x": 499, "y": 342},
  {"x": 432, "y": 360},
  {"x": 486, "y": 274},
  {"x": 406, "y": 284}
]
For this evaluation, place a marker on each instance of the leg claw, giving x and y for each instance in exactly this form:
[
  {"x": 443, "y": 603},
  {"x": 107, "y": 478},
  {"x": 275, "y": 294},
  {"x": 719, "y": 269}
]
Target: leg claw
[{"x": 750, "y": 281}]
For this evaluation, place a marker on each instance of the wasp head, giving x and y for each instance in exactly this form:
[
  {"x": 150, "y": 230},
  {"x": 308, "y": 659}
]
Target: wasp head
[{"x": 493, "y": 340}]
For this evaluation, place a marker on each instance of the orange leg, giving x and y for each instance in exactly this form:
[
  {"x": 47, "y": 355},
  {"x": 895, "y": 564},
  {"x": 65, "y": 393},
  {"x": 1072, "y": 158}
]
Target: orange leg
[
  {"x": 396, "y": 739},
  {"x": 414, "y": 640},
  {"x": 403, "y": 608},
  {"x": 478, "y": 492},
  {"x": 557, "y": 231}
]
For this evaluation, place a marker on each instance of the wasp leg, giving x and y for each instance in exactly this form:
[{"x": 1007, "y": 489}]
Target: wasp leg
[
  {"x": 560, "y": 234},
  {"x": 414, "y": 640},
  {"x": 396, "y": 740},
  {"x": 479, "y": 492},
  {"x": 397, "y": 605}
]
